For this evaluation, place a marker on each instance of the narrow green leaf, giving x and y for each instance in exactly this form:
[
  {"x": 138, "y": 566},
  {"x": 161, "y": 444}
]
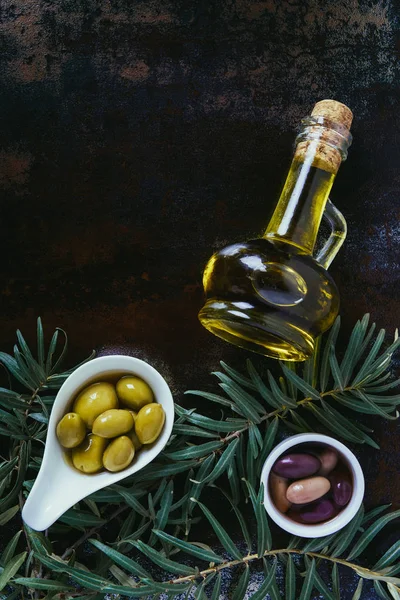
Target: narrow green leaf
[
  {"x": 216, "y": 426},
  {"x": 382, "y": 388},
  {"x": 9, "y": 550},
  {"x": 322, "y": 587},
  {"x": 379, "y": 410},
  {"x": 300, "y": 422},
  {"x": 325, "y": 363},
  {"x": 300, "y": 384},
  {"x": 212, "y": 397},
  {"x": 40, "y": 543},
  {"x": 242, "y": 521},
  {"x": 81, "y": 519},
  {"x": 279, "y": 395},
  {"x": 195, "y": 451},
  {"x": 348, "y": 363},
  {"x": 136, "y": 535},
  {"x": 31, "y": 375},
  {"x": 380, "y": 590},
  {"x": 273, "y": 588},
  {"x": 165, "y": 506},
  {"x": 24, "y": 454},
  {"x": 268, "y": 441},
  {"x": 189, "y": 548},
  {"x": 62, "y": 354},
  {"x": 357, "y": 593},
  {"x": 10, "y": 399},
  {"x": 333, "y": 426},
  {"x": 352, "y": 428},
  {"x": 336, "y": 372},
  {"x": 264, "y": 538},
  {"x": 290, "y": 580},
  {"x": 250, "y": 400},
  {"x": 356, "y": 405},
  {"x": 238, "y": 377},
  {"x": 370, "y": 358},
  {"x": 234, "y": 482},
  {"x": 11, "y": 364},
  {"x": 121, "y": 560},
  {"x": 308, "y": 584},
  {"x": 348, "y": 534},
  {"x": 311, "y": 366},
  {"x": 336, "y": 581},
  {"x": 191, "y": 430},
  {"x": 367, "y": 574},
  {"x": 165, "y": 470},
  {"x": 292, "y": 390},
  {"x": 8, "y": 514},
  {"x": 224, "y": 462},
  {"x": 165, "y": 563},
  {"x": 253, "y": 445},
  {"x": 42, "y": 584},
  {"x": 11, "y": 568},
  {"x": 262, "y": 389},
  {"x": 32, "y": 364},
  {"x": 375, "y": 512},
  {"x": 371, "y": 532},
  {"x": 262, "y": 591},
  {"x": 217, "y": 588},
  {"x": 7, "y": 467},
  {"x": 250, "y": 466},
  {"x": 133, "y": 502},
  {"x": 315, "y": 545},
  {"x": 240, "y": 398},
  {"x": 40, "y": 343},
  {"x": 221, "y": 533},
  {"x": 240, "y": 591},
  {"x": 389, "y": 557},
  {"x": 199, "y": 483}
]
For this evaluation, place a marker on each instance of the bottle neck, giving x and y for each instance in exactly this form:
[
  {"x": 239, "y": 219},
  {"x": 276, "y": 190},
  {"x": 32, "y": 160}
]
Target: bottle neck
[{"x": 321, "y": 147}]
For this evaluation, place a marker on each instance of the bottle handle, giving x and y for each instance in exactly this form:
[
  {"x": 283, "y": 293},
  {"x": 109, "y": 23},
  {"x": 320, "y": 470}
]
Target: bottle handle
[{"x": 338, "y": 234}]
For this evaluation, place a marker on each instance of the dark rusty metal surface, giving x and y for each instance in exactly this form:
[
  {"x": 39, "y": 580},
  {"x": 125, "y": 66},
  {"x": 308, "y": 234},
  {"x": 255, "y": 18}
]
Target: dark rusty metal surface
[{"x": 136, "y": 137}]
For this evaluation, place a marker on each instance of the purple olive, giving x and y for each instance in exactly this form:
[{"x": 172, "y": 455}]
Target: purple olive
[
  {"x": 341, "y": 487},
  {"x": 294, "y": 466},
  {"x": 316, "y": 512}
]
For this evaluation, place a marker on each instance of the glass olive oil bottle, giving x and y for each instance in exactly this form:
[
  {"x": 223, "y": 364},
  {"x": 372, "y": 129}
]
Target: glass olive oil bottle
[{"x": 271, "y": 295}]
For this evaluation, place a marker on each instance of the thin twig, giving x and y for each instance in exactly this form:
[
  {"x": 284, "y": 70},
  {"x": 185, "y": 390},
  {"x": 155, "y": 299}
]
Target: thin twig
[
  {"x": 91, "y": 532},
  {"x": 251, "y": 557}
]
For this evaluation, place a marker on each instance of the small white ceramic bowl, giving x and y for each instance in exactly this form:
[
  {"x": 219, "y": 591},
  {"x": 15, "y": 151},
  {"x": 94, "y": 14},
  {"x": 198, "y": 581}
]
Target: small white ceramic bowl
[
  {"x": 344, "y": 517},
  {"x": 59, "y": 485}
]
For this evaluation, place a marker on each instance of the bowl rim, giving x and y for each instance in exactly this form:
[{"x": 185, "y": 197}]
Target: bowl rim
[{"x": 320, "y": 529}]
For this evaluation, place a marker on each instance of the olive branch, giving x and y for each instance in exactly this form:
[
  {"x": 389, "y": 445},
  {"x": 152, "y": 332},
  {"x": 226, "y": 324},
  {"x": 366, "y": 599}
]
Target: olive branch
[{"x": 151, "y": 514}]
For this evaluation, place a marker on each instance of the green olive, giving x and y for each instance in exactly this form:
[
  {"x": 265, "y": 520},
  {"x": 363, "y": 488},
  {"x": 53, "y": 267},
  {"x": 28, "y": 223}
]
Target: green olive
[
  {"x": 94, "y": 400},
  {"x": 149, "y": 423},
  {"x": 71, "y": 430},
  {"x": 119, "y": 454},
  {"x": 112, "y": 423},
  {"x": 88, "y": 457},
  {"x": 135, "y": 440},
  {"x": 134, "y": 392}
]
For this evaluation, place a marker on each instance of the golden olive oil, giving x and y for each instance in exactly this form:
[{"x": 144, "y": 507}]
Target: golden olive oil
[{"x": 270, "y": 295}]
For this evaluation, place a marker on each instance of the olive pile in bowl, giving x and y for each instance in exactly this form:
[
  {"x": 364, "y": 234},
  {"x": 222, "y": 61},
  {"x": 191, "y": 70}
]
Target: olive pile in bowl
[
  {"x": 110, "y": 423},
  {"x": 310, "y": 483}
]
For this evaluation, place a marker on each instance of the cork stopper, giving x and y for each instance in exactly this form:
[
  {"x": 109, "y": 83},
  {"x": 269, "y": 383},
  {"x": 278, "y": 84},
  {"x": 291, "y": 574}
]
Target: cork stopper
[
  {"x": 334, "y": 111},
  {"x": 321, "y": 145}
]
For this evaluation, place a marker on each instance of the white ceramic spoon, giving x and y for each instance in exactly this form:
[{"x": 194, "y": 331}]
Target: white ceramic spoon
[{"x": 59, "y": 485}]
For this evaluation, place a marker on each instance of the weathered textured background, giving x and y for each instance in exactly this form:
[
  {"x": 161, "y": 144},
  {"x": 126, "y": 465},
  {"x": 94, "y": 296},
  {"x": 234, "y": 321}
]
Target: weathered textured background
[{"x": 138, "y": 136}]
